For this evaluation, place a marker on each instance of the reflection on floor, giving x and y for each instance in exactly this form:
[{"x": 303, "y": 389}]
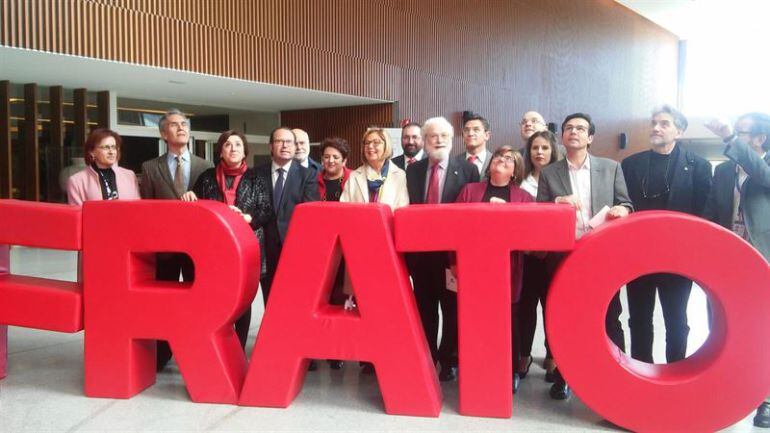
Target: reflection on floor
[{"x": 44, "y": 388}]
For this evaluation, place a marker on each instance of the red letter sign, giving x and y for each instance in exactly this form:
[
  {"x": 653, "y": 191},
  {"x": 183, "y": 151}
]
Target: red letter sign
[
  {"x": 5, "y": 268},
  {"x": 300, "y": 324},
  {"x": 710, "y": 390},
  {"x": 127, "y": 308},
  {"x": 484, "y": 282}
]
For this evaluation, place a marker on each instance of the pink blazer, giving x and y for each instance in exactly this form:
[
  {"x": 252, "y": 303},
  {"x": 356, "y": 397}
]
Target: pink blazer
[{"x": 84, "y": 185}]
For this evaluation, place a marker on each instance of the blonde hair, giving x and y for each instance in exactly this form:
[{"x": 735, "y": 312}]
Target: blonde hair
[{"x": 384, "y": 136}]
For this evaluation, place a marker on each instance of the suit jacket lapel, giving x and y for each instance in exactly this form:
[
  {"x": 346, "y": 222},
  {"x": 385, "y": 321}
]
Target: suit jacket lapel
[
  {"x": 563, "y": 174},
  {"x": 289, "y": 182},
  {"x": 361, "y": 183},
  {"x": 450, "y": 179},
  {"x": 164, "y": 172},
  {"x": 421, "y": 176},
  {"x": 598, "y": 180}
]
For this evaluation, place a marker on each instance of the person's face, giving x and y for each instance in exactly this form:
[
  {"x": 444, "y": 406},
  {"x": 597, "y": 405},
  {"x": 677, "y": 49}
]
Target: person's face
[
  {"x": 374, "y": 148},
  {"x": 105, "y": 153},
  {"x": 303, "y": 145},
  {"x": 664, "y": 132},
  {"x": 333, "y": 162},
  {"x": 411, "y": 140},
  {"x": 743, "y": 131},
  {"x": 501, "y": 167},
  {"x": 530, "y": 123},
  {"x": 575, "y": 135},
  {"x": 233, "y": 151},
  {"x": 283, "y": 147},
  {"x": 540, "y": 152},
  {"x": 176, "y": 131},
  {"x": 438, "y": 142},
  {"x": 474, "y": 135}
]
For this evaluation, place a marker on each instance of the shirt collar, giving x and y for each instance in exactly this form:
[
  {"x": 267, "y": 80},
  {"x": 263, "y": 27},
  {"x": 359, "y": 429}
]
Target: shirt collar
[
  {"x": 586, "y": 164},
  {"x": 417, "y": 157},
  {"x": 170, "y": 156},
  {"x": 482, "y": 157},
  {"x": 275, "y": 166}
]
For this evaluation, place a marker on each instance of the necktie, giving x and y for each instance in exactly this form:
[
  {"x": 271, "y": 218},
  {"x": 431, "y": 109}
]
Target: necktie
[
  {"x": 472, "y": 159},
  {"x": 278, "y": 190},
  {"x": 410, "y": 161},
  {"x": 432, "y": 196},
  {"x": 179, "y": 185}
]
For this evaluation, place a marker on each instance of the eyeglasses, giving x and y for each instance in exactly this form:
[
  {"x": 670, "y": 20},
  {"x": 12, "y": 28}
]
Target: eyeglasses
[
  {"x": 579, "y": 128},
  {"x": 289, "y": 141},
  {"x": 533, "y": 121},
  {"x": 373, "y": 143},
  {"x": 505, "y": 159},
  {"x": 739, "y": 133},
  {"x": 107, "y": 147}
]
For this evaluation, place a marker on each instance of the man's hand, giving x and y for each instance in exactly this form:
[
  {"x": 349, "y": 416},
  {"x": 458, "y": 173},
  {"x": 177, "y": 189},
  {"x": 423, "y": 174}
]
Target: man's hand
[
  {"x": 720, "y": 127},
  {"x": 189, "y": 196},
  {"x": 571, "y": 200},
  {"x": 617, "y": 212}
]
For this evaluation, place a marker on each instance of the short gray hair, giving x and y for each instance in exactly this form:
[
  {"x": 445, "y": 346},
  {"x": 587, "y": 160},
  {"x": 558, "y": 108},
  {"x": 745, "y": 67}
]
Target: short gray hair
[
  {"x": 169, "y": 113},
  {"x": 679, "y": 120},
  {"x": 437, "y": 121}
]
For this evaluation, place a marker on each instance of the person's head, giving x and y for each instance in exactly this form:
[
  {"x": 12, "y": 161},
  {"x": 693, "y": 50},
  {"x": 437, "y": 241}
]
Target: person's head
[
  {"x": 174, "y": 129},
  {"x": 476, "y": 133},
  {"x": 577, "y": 132},
  {"x": 668, "y": 124},
  {"x": 541, "y": 149},
  {"x": 530, "y": 123},
  {"x": 755, "y": 129},
  {"x": 232, "y": 148},
  {"x": 302, "y": 140},
  {"x": 282, "y": 145},
  {"x": 505, "y": 166},
  {"x": 376, "y": 146},
  {"x": 437, "y": 135},
  {"x": 102, "y": 148},
  {"x": 334, "y": 156},
  {"x": 411, "y": 139}
]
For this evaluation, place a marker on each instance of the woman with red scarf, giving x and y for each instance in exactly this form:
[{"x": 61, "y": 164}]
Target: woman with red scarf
[{"x": 235, "y": 184}]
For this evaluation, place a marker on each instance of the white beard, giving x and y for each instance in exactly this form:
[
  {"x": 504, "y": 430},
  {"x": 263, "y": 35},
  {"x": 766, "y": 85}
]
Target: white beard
[{"x": 439, "y": 154}]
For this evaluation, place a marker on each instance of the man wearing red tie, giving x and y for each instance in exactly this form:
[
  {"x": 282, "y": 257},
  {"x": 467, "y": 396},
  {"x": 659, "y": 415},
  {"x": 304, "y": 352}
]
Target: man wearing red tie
[
  {"x": 437, "y": 179},
  {"x": 476, "y": 134},
  {"x": 411, "y": 142}
]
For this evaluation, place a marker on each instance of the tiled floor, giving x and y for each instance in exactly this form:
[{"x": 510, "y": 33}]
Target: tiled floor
[{"x": 44, "y": 389}]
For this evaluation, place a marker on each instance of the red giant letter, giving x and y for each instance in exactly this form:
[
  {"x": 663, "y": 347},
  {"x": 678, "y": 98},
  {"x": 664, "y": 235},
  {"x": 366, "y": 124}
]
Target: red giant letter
[
  {"x": 710, "y": 390},
  {"x": 484, "y": 282},
  {"x": 127, "y": 308},
  {"x": 300, "y": 324}
]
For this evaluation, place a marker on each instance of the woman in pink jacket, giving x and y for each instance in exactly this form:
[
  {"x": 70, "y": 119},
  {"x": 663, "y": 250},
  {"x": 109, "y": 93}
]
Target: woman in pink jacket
[{"x": 102, "y": 179}]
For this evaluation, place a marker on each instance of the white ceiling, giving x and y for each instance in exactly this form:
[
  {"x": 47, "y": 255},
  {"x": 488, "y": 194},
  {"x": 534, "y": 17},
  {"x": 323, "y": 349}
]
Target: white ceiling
[{"x": 165, "y": 85}]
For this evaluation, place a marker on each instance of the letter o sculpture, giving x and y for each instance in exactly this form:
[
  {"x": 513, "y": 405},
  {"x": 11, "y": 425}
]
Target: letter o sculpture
[{"x": 713, "y": 388}]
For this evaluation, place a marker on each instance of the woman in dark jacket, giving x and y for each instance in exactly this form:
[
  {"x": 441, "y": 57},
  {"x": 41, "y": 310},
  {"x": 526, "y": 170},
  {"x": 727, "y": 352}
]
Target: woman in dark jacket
[
  {"x": 236, "y": 185},
  {"x": 504, "y": 175}
]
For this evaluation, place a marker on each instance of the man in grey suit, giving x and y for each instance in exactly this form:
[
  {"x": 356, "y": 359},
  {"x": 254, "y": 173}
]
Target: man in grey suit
[
  {"x": 434, "y": 180},
  {"x": 168, "y": 177},
  {"x": 476, "y": 134},
  {"x": 744, "y": 180},
  {"x": 587, "y": 183}
]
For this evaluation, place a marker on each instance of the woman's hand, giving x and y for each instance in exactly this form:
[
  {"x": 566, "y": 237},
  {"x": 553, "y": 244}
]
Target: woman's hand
[{"x": 189, "y": 196}]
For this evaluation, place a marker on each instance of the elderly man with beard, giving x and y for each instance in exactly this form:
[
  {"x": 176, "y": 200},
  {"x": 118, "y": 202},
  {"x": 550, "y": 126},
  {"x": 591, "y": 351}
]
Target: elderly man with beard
[{"x": 437, "y": 179}]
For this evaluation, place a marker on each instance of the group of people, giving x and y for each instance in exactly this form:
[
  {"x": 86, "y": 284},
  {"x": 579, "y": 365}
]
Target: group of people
[{"x": 666, "y": 176}]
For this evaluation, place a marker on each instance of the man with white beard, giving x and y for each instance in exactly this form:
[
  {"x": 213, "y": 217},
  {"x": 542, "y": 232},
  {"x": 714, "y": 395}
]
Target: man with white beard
[{"x": 434, "y": 180}]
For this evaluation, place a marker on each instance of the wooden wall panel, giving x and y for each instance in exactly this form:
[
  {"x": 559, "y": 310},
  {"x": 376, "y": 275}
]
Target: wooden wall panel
[{"x": 435, "y": 57}]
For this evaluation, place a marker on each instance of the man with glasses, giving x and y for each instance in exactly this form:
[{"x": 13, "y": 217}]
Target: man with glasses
[
  {"x": 665, "y": 177},
  {"x": 290, "y": 184},
  {"x": 437, "y": 179},
  {"x": 530, "y": 123},
  {"x": 168, "y": 177},
  {"x": 589, "y": 184},
  {"x": 411, "y": 143},
  {"x": 303, "y": 151},
  {"x": 740, "y": 197},
  {"x": 476, "y": 134}
]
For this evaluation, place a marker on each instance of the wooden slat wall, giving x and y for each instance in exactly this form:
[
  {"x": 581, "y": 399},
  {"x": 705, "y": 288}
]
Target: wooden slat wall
[
  {"x": 56, "y": 150},
  {"x": 435, "y": 57}
]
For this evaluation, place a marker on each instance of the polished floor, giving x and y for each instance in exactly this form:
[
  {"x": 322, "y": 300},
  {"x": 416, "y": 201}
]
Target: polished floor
[{"x": 44, "y": 389}]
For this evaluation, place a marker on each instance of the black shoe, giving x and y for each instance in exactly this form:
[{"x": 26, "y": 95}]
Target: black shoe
[
  {"x": 312, "y": 366},
  {"x": 523, "y": 373},
  {"x": 516, "y": 381},
  {"x": 559, "y": 390},
  {"x": 550, "y": 376},
  {"x": 335, "y": 364},
  {"x": 447, "y": 374},
  {"x": 367, "y": 368},
  {"x": 762, "y": 418}
]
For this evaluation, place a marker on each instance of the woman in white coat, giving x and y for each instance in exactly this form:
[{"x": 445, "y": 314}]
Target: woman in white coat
[{"x": 378, "y": 180}]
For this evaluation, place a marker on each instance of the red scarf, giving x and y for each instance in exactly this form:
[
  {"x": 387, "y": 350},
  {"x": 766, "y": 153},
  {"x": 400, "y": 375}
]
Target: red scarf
[{"x": 223, "y": 170}]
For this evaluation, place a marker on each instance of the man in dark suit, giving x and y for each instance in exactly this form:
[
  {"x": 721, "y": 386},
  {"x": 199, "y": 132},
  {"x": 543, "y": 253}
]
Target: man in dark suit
[
  {"x": 740, "y": 197},
  {"x": 168, "y": 177},
  {"x": 411, "y": 143},
  {"x": 290, "y": 184},
  {"x": 587, "y": 183},
  {"x": 476, "y": 134},
  {"x": 437, "y": 179},
  {"x": 671, "y": 178},
  {"x": 303, "y": 151}
]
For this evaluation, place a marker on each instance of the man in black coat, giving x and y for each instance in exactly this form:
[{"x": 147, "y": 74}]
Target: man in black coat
[
  {"x": 437, "y": 179},
  {"x": 665, "y": 177},
  {"x": 290, "y": 184},
  {"x": 411, "y": 143}
]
